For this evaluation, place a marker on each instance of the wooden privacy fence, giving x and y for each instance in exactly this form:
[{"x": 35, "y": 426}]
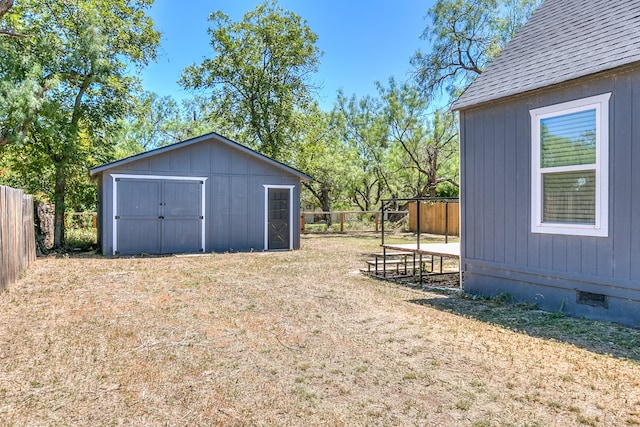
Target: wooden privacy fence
[
  {"x": 17, "y": 234},
  {"x": 433, "y": 217}
]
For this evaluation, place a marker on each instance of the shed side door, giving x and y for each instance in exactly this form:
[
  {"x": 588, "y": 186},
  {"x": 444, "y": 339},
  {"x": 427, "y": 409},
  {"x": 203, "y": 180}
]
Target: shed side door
[
  {"x": 139, "y": 227},
  {"x": 278, "y": 218}
]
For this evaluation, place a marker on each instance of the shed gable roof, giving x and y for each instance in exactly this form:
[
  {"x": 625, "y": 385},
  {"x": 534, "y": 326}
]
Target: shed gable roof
[
  {"x": 206, "y": 137},
  {"x": 563, "y": 40}
]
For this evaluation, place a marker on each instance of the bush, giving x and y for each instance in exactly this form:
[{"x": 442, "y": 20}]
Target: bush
[
  {"x": 80, "y": 238},
  {"x": 80, "y": 233}
]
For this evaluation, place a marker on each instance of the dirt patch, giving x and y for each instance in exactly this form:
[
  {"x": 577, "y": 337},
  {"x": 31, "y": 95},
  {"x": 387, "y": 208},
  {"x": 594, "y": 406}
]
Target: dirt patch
[{"x": 292, "y": 339}]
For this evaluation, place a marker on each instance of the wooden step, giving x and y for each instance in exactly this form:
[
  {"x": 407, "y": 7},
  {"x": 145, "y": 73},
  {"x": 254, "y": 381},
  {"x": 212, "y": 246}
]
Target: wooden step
[
  {"x": 387, "y": 262},
  {"x": 382, "y": 265}
]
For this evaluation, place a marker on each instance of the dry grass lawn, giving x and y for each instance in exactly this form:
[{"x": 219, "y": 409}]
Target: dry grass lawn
[{"x": 294, "y": 339}]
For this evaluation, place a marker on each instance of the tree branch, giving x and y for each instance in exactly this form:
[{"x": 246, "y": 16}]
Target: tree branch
[
  {"x": 5, "y": 5},
  {"x": 77, "y": 112},
  {"x": 4, "y": 32}
]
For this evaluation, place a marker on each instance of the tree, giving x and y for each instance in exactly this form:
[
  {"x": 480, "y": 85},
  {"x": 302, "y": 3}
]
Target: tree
[
  {"x": 464, "y": 36},
  {"x": 259, "y": 75},
  {"x": 5, "y": 5},
  {"x": 156, "y": 121},
  {"x": 364, "y": 130},
  {"x": 426, "y": 144},
  {"x": 67, "y": 87},
  {"x": 322, "y": 154}
]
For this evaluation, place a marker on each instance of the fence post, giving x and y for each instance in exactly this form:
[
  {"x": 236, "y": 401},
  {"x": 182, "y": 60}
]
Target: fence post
[
  {"x": 382, "y": 212},
  {"x": 302, "y": 222},
  {"x": 419, "y": 222},
  {"x": 341, "y": 222},
  {"x": 446, "y": 223},
  {"x": 377, "y": 216}
]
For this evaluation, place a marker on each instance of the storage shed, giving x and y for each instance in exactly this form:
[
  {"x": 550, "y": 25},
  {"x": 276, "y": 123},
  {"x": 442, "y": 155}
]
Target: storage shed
[
  {"x": 550, "y": 148},
  {"x": 206, "y": 194}
]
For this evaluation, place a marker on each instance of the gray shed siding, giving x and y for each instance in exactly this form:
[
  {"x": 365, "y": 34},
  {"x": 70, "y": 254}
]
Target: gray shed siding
[
  {"x": 499, "y": 251},
  {"x": 234, "y": 193}
]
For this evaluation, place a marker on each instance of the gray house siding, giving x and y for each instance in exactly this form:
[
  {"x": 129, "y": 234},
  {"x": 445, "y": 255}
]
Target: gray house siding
[
  {"x": 499, "y": 251},
  {"x": 234, "y": 192}
]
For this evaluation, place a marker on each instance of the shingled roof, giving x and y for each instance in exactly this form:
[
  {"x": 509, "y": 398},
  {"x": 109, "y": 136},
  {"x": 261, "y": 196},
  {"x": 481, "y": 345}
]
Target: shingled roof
[{"x": 563, "y": 40}]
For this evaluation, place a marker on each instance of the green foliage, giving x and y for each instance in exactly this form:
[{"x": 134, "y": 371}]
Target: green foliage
[
  {"x": 321, "y": 154},
  {"x": 259, "y": 76},
  {"x": 463, "y": 37},
  {"x": 390, "y": 146},
  {"x": 69, "y": 100},
  {"x": 67, "y": 87},
  {"x": 360, "y": 124},
  {"x": 156, "y": 121},
  {"x": 561, "y": 311},
  {"x": 80, "y": 239},
  {"x": 80, "y": 233},
  {"x": 5, "y": 5},
  {"x": 503, "y": 298},
  {"x": 424, "y": 145}
]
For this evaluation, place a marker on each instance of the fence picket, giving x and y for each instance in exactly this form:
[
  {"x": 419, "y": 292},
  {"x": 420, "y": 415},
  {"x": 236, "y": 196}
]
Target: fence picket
[{"x": 433, "y": 218}]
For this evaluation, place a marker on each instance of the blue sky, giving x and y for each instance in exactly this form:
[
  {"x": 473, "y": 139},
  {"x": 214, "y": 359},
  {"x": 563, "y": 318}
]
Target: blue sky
[{"x": 362, "y": 41}]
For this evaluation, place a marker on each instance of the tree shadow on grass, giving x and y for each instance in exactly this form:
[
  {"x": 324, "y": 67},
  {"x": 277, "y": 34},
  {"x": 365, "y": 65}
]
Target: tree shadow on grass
[{"x": 595, "y": 336}]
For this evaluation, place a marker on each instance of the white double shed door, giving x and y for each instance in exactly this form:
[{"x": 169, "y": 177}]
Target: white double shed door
[{"x": 158, "y": 214}]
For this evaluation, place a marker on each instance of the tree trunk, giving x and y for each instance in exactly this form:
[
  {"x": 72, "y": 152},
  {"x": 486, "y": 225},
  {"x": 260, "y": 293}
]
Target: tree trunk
[
  {"x": 322, "y": 195},
  {"x": 5, "y": 5},
  {"x": 433, "y": 174},
  {"x": 44, "y": 218},
  {"x": 324, "y": 199},
  {"x": 59, "y": 201}
]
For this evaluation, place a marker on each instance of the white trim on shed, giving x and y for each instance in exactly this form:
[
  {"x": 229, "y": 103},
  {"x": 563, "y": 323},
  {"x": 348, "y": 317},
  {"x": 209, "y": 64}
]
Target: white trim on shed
[
  {"x": 116, "y": 176},
  {"x": 266, "y": 213}
]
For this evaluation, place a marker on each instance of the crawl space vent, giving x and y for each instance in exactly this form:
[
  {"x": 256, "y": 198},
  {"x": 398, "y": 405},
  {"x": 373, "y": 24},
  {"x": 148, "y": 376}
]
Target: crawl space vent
[{"x": 595, "y": 300}]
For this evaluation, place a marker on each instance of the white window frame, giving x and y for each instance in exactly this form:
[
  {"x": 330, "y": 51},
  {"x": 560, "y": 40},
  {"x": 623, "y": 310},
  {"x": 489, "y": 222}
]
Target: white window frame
[
  {"x": 266, "y": 213},
  {"x": 601, "y": 227}
]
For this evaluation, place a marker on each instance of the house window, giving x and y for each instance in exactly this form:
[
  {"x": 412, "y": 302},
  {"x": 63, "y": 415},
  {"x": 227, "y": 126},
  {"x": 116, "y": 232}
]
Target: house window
[{"x": 570, "y": 167}]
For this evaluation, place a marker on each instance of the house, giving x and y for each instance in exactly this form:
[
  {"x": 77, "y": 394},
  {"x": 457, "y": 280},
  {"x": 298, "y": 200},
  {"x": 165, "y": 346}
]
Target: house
[
  {"x": 206, "y": 194},
  {"x": 550, "y": 155}
]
